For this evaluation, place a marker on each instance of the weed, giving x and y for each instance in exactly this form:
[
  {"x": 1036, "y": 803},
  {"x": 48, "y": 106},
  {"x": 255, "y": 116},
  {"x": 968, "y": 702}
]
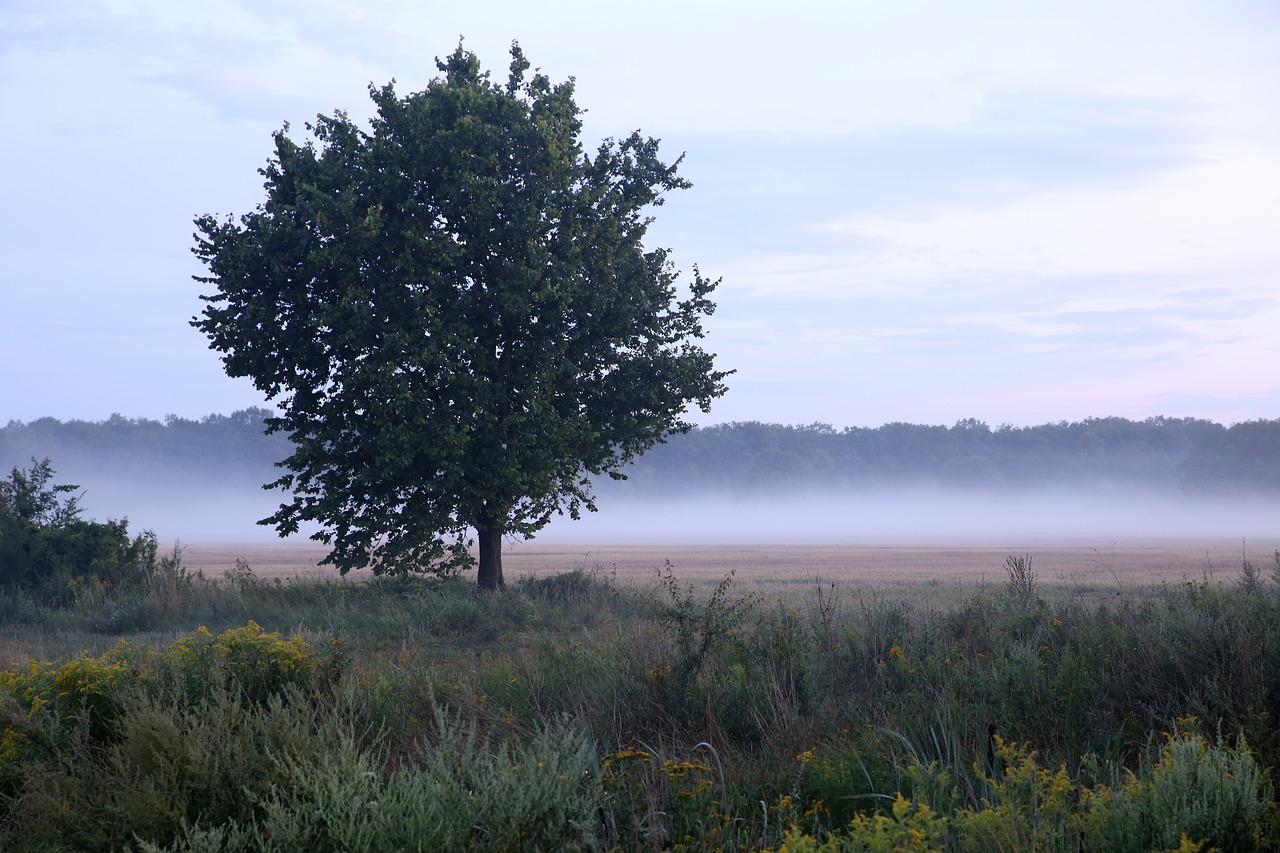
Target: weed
[
  {"x": 1022, "y": 577},
  {"x": 696, "y": 625}
]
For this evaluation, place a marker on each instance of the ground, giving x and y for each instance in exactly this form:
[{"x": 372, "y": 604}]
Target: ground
[{"x": 945, "y": 565}]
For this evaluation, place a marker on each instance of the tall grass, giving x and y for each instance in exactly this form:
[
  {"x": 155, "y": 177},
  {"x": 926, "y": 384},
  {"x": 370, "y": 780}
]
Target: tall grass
[{"x": 571, "y": 713}]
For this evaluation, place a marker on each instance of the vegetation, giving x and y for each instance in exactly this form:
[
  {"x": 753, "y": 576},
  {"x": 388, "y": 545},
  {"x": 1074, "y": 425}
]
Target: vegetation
[
  {"x": 457, "y": 318},
  {"x": 46, "y": 547},
  {"x": 571, "y": 713},
  {"x": 234, "y": 448},
  {"x": 1169, "y": 454}
]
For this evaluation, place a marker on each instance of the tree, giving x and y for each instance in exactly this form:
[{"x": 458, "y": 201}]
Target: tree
[
  {"x": 456, "y": 317},
  {"x": 45, "y": 545}
]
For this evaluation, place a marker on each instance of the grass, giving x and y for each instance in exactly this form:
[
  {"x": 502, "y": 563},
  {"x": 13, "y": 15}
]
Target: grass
[{"x": 572, "y": 712}]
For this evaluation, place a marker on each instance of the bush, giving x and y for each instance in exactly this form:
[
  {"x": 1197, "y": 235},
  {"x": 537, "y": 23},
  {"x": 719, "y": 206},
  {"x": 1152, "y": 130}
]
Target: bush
[
  {"x": 464, "y": 792},
  {"x": 96, "y": 749},
  {"x": 247, "y": 661},
  {"x": 45, "y": 545},
  {"x": 718, "y": 722},
  {"x": 1194, "y": 796}
]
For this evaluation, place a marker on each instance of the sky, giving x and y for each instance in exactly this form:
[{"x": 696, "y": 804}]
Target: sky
[{"x": 921, "y": 211}]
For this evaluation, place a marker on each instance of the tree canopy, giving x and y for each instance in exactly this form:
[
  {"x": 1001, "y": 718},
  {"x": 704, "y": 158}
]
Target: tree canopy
[{"x": 456, "y": 316}]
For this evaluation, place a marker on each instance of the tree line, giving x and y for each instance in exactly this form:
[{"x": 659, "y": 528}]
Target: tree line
[
  {"x": 1192, "y": 455},
  {"x": 230, "y": 448}
]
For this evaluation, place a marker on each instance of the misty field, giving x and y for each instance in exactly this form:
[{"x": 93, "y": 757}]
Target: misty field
[{"x": 1060, "y": 564}]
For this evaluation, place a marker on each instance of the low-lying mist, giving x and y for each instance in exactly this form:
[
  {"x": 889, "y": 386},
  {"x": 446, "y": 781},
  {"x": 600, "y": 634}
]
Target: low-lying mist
[
  {"x": 188, "y": 512},
  {"x": 951, "y": 515},
  {"x": 1100, "y": 478},
  {"x": 210, "y": 513}
]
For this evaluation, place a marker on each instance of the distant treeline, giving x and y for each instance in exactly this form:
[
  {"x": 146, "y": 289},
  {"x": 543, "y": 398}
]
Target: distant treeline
[
  {"x": 1189, "y": 454},
  {"x": 231, "y": 447}
]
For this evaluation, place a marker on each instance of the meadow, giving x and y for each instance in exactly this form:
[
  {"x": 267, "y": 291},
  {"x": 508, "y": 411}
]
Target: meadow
[
  {"x": 1095, "y": 562},
  {"x": 852, "y": 697}
]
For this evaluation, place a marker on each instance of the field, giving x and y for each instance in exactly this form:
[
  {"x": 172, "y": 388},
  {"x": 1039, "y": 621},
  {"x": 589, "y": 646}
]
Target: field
[
  {"x": 1059, "y": 563},
  {"x": 858, "y": 696}
]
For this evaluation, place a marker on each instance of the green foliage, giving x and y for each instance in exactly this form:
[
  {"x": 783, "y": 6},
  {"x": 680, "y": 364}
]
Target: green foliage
[
  {"x": 910, "y": 827},
  {"x": 45, "y": 545},
  {"x": 169, "y": 764},
  {"x": 1169, "y": 454},
  {"x": 247, "y": 661},
  {"x": 456, "y": 316},
  {"x": 1195, "y": 796},
  {"x": 657, "y": 801},
  {"x": 46, "y": 707},
  {"x": 212, "y": 452},
  {"x": 464, "y": 792},
  {"x": 95, "y": 749},
  {"x": 696, "y": 624},
  {"x": 1172, "y": 454},
  {"x": 86, "y": 695},
  {"x": 828, "y": 721}
]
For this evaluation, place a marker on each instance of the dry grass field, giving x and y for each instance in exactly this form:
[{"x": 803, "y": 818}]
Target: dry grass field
[{"x": 1083, "y": 565}]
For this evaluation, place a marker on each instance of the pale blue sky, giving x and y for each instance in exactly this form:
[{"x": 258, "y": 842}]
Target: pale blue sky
[{"x": 922, "y": 211}]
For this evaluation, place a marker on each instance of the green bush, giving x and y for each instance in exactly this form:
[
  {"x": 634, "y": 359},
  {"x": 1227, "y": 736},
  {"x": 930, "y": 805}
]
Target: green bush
[
  {"x": 45, "y": 706},
  {"x": 45, "y": 545},
  {"x": 248, "y": 661},
  {"x": 96, "y": 749},
  {"x": 1212, "y": 794},
  {"x": 168, "y": 765},
  {"x": 462, "y": 792},
  {"x": 1194, "y": 796}
]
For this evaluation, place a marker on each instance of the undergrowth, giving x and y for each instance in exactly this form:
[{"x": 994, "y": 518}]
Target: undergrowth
[{"x": 568, "y": 712}]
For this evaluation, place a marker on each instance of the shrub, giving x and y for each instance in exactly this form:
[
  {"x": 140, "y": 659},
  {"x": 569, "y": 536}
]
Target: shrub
[
  {"x": 697, "y": 627},
  {"x": 655, "y": 800},
  {"x": 168, "y": 765},
  {"x": 44, "y": 704},
  {"x": 1193, "y": 796},
  {"x": 95, "y": 750},
  {"x": 1212, "y": 794},
  {"x": 45, "y": 545},
  {"x": 463, "y": 792},
  {"x": 247, "y": 661},
  {"x": 1022, "y": 578}
]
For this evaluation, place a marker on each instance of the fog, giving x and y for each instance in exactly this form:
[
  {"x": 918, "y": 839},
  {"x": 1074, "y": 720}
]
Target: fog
[
  {"x": 195, "y": 512},
  {"x": 913, "y": 515},
  {"x": 187, "y": 511}
]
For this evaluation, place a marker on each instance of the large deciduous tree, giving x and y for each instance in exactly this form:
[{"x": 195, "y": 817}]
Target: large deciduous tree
[{"x": 456, "y": 317}]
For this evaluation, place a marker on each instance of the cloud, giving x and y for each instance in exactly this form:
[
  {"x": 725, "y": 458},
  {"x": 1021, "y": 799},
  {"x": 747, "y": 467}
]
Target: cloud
[
  {"x": 1217, "y": 216},
  {"x": 1016, "y": 145}
]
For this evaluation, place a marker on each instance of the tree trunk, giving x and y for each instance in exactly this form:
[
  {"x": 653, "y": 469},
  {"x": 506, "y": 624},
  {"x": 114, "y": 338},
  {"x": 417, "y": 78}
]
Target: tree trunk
[{"x": 489, "y": 577}]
